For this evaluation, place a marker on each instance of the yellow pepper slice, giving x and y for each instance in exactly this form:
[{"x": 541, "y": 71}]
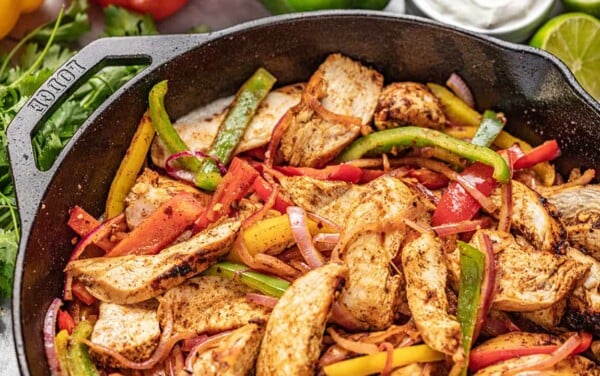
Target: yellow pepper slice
[
  {"x": 130, "y": 167},
  {"x": 61, "y": 342},
  {"x": 271, "y": 234},
  {"x": 374, "y": 363},
  {"x": 457, "y": 111}
]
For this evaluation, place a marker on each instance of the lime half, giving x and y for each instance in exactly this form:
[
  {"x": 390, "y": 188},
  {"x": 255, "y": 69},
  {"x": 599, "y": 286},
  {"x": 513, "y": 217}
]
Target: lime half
[
  {"x": 575, "y": 39},
  {"x": 586, "y": 6}
]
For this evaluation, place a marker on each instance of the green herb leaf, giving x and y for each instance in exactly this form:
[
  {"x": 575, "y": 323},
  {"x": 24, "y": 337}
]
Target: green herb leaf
[
  {"x": 120, "y": 22},
  {"x": 75, "y": 23}
]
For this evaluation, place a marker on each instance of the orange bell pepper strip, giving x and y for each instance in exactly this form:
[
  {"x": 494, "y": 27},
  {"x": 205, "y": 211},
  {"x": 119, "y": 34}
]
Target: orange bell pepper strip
[
  {"x": 235, "y": 184},
  {"x": 161, "y": 227}
]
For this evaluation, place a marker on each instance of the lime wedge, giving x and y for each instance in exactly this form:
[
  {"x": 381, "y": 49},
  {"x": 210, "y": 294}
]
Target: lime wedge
[
  {"x": 586, "y": 6},
  {"x": 575, "y": 39}
]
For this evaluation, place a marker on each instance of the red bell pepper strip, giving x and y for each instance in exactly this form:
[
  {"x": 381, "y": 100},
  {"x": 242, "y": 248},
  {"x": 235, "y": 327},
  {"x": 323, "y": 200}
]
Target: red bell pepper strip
[
  {"x": 66, "y": 321},
  {"x": 235, "y": 184},
  {"x": 369, "y": 175},
  {"x": 263, "y": 189},
  {"x": 543, "y": 153},
  {"x": 82, "y": 293},
  {"x": 457, "y": 204},
  {"x": 81, "y": 221},
  {"x": 343, "y": 172},
  {"x": 430, "y": 179},
  {"x": 158, "y": 9},
  {"x": 161, "y": 227},
  {"x": 483, "y": 358}
]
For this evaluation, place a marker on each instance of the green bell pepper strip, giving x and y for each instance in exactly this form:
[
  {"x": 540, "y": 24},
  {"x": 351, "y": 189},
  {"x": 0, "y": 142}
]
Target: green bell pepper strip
[
  {"x": 288, "y": 6},
  {"x": 232, "y": 129},
  {"x": 385, "y": 141},
  {"x": 472, "y": 264},
  {"x": 489, "y": 128},
  {"x": 165, "y": 130},
  {"x": 268, "y": 285},
  {"x": 80, "y": 363}
]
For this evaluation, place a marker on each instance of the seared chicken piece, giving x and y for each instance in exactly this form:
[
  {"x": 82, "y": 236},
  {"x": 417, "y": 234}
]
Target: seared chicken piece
[
  {"x": 534, "y": 218},
  {"x": 526, "y": 279},
  {"x": 135, "y": 278},
  {"x": 209, "y": 304},
  {"x": 339, "y": 99},
  {"x": 199, "y": 128},
  {"x": 131, "y": 330},
  {"x": 294, "y": 332},
  {"x": 372, "y": 236},
  {"x": 579, "y": 208},
  {"x": 425, "y": 273},
  {"x": 573, "y": 365},
  {"x": 234, "y": 356},
  {"x": 584, "y": 303},
  {"x": 408, "y": 103},
  {"x": 152, "y": 190},
  {"x": 547, "y": 318}
]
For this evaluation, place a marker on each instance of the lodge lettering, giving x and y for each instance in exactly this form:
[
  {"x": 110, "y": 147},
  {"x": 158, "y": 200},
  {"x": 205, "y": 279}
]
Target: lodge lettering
[{"x": 59, "y": 82}]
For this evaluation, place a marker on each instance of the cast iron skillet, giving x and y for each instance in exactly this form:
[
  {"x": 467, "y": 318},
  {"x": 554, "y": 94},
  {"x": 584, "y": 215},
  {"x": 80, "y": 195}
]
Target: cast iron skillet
[{"x": 537, "y": 93}]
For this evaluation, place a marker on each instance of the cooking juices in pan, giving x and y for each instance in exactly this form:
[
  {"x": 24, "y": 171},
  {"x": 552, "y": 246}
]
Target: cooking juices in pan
[{"x": 338, "y": 226}]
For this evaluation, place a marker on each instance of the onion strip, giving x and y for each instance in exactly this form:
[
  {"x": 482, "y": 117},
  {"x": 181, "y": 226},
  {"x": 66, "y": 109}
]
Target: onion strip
[
  {"x": 50, "y": 334},
  {"x": 389, "y": 361},
  {"x": 208, "y": 343},
  {"x": 299, "y": 226},
  {"x": 353, "y": 346},
  {"x": 461, "y": 89},
  {"x": 95, "y": 235},
  {"x": 488, "y": 285},
  {"x": 459, "y": 227},
  {"x": 262, "y": 300},
  {"x": 177, "y": 172}
]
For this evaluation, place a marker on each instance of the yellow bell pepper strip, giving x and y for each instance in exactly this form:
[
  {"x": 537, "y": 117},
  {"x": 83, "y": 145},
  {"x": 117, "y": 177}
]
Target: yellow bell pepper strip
[
  {"x": 374, "y": 363},
  {"x": 78, "y": 357},
  {"x": 457, "y": 111},
  {"x": 61, "y": 342},
  {"x": 130, "y": 167},
  {"x": 232, "y": 129},
  {"x": 488, "y": 130},
  {"x": 386, "y": 140},
  {"x": 266, "y": 284},
  {"x": 164, "y": 128},
  {"x": 472, "y": 264}
]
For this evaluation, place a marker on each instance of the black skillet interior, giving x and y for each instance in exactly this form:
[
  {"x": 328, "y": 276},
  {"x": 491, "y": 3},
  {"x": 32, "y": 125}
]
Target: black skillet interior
[{"x": 536, "y": 94}]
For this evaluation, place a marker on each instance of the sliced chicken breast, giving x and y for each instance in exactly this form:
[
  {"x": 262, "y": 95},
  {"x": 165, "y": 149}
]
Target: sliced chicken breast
[
  {"x": 199, "y": 128},
  {"x": 294, "y": 332},
  {"x": 339, "y": 98},
  {"x": 408, "y": 103},
  {"x": 135, "y": 278},
  {"x": 131, "y": 330},
  {"x": 425, "y": 272},
  {"x": 234, "y": 356},
  {"x": 535, "y": 218},
  {"x": 583, "y": 312},
  {"x": 209, "y": 304},
  {"x": 150, "y": 191},
  {"x": 526, "y": 279}
]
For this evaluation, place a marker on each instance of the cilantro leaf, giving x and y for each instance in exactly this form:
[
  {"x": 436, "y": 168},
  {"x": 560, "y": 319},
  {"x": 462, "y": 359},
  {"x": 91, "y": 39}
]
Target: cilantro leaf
[{"x": 120, "y": 22}]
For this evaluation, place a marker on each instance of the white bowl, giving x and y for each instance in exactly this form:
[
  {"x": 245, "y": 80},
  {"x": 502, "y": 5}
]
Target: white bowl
[{"x": 517, "y": 29}]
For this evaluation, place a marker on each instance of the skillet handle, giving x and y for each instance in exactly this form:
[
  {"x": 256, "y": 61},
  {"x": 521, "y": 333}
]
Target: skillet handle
[{"x": 30, "y": 182}]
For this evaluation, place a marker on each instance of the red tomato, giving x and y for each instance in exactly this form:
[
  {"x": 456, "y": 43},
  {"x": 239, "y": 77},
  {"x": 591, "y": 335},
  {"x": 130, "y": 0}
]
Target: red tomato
[
  {"x": 457, "y": 204},
  {"x": 159, "y": 9}
]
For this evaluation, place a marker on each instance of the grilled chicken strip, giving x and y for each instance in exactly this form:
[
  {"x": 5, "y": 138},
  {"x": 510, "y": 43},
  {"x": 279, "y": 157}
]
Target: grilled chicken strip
[
  {"x": 135, "y": 278},
  {"x": 294, "y": 332},
  {"x": 425, "y": 273},
  {"x": 234, "y": 356},
  {"x": 583, "y": 310},
  {"x": 131, "y": 330},
  {"x": 208, "y": 304},
  {"x": 573, "y": 365},
  {"x": 579, "y": 208},
  {"x": 199, "y": 128},
  {"x": 152, "y": 190},
  {"x": 535, "y": 218},
  {"x": 339, "y": 98},
  {"x": 547, "y": 318},
  {"x": 408, "y": 103},
  {"x": 526, "y": 279}
]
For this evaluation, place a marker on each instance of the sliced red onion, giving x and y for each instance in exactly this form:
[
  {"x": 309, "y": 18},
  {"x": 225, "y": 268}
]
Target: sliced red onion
[
  {"x": 341, "y": 316},
  {"x": 95, "y": 235},
  {"x": 299, "y": 226},
  {"x": 276, "y": 135},
  {"x": 178, "y": 173},
  {"x": 488, "y": 285},
  {"x": 325, "y": 221},
  {"x": 201, "y": 347},
  {"x": 459, "y": 227},
  {"x": 262, "y": 300},
  {"x": 353, "y": 346},
  {"x": 50, "y": 334},
  {"x": 175, "y": 363},
  {"x": 189, "y": 344},
  {"x": 461, "y": 89},
  {"x": 389, "y": 361},
  {"x": 544, "y": 362},
  {"x": 416, "y": 226},
  {"x": 326, "y": 241},
  {"x": 485, "y": 202}
]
